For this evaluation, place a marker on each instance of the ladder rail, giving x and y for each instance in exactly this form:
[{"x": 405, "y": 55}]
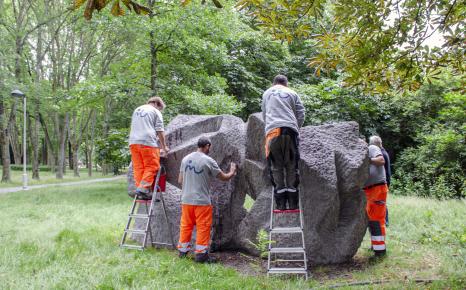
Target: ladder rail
[{"x": 149, "y": 218}]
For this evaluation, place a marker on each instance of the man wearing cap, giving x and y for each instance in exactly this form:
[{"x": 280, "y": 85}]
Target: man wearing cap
[
  {"x": 196, "y": 171},
  {"x": 283, "y": 114}
]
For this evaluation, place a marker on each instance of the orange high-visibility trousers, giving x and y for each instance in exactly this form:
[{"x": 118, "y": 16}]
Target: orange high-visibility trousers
[
  {"x": 146, "y": 163},
  {"x": 201, "y": 217},
  {"x": 376, "y": 210}
]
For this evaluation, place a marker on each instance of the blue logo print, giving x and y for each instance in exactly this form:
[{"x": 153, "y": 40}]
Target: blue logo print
[
  {"x": 141, "y": 113},
  {"x": 193, "y": 168}
]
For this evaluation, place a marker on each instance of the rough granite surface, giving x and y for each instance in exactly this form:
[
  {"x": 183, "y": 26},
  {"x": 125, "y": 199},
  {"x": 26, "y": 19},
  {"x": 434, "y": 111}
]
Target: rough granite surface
[{"x": 333, "y": 168}]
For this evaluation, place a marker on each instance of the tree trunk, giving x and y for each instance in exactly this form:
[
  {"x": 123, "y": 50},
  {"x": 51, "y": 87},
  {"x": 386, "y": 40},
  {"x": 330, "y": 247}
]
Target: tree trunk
[
  {"x": 35, "y": 147},
  {"x": 14, "y": 140},
  {"x": 90, "y": 147},
  {"x": 153, "y": 53},
  {"x": 52, "y": 155},
  {"x": 4, "y": 144},
  {"x": 62, "y": 142},
  {"x": 70, "y": 154},
  {"x": 106, "y": 127},
  {"x": 36, "y": 127}
]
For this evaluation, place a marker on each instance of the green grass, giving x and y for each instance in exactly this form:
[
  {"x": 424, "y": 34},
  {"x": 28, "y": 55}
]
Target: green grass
[
  {"x": 47, "y": 177},
  {"x": 66, "y": 238}
]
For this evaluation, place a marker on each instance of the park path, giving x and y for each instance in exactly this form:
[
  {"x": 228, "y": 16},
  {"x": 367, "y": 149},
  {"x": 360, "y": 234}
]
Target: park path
[{"x": 15, "y": 189}]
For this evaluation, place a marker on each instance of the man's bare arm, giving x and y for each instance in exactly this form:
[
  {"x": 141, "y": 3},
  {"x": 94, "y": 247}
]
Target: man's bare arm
[
  {"x": 180, "y": 179},
  {"x": 379, "y": 161},
  {"x": 161, "y": 135},
  {"x": 227, "y": 176}
]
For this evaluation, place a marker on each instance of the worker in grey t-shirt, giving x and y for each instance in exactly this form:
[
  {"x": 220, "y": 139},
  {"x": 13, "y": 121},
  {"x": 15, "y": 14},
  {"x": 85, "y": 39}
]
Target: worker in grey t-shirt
[
  {"x": 196, "y": 171},
  {"x": 283, "y": 114},
  {"x": 376, "y": 195},
  {"x": 145, "y": 139}
]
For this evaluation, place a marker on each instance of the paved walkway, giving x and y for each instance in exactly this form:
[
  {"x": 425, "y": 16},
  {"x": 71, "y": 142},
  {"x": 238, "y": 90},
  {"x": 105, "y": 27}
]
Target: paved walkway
[{"x": 15, "y": 189}]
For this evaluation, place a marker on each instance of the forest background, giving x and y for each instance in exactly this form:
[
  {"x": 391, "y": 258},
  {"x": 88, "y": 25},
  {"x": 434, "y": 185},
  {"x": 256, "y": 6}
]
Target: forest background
[{"x": 395, "y": 67}]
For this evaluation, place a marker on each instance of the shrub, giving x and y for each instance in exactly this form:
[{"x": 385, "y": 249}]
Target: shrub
[
  {"x": 17, "y": 167},
  {"x": 114, "y": 150},
  {"x": 436, "y": 168}
]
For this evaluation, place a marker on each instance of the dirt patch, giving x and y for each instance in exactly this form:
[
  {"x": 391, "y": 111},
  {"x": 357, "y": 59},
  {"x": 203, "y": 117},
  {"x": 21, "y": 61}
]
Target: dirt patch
[
  {"x": 254, "y": 266},
  {"x": 243, "y": 263}
]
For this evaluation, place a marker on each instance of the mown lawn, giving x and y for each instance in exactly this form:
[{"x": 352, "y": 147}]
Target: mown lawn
[
  {"x": 67, "y": 238},
  {"x": 47, "y": 177}
]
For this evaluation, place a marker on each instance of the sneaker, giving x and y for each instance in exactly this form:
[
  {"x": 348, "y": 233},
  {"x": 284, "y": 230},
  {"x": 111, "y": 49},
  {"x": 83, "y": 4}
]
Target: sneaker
[{"x": 205, "y": 258}]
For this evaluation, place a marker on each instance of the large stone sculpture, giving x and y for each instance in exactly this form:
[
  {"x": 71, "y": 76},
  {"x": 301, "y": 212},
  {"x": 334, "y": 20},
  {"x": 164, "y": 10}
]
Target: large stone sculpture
[{"x": 333, "y": 169}]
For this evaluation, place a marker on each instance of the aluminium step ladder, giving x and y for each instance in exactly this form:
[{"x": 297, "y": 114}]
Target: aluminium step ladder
[
  {"x": 274, "y": 264},
  {"x": 148, "y": 217}
]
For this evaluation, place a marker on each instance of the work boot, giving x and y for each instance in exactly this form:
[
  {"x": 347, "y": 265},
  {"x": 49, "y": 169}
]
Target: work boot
[
  {"x": 293, "y": 200},
  {"x": 142, "y": 195},
  {"x": 182, "y": 255},
  {"x": 205, "y": 258},
  {"x": 281, "y": 203},
  {"x": 380, "y": 254}
]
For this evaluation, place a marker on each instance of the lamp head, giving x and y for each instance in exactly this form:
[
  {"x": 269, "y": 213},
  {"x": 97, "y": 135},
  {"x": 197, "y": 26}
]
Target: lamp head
[{"x": 17, "y": 93}]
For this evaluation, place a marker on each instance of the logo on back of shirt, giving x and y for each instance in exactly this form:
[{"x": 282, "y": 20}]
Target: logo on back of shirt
[
  {"x": 140, "y": 112},
  {"x": 192, "y": 168}
]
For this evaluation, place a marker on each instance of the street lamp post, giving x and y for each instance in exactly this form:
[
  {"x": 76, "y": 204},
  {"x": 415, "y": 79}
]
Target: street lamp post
[{"x": 19, "y": 94}]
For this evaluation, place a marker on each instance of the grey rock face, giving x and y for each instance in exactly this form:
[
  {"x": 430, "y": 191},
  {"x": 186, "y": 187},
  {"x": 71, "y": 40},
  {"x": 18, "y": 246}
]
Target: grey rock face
[{"x": 333, "y": 167}]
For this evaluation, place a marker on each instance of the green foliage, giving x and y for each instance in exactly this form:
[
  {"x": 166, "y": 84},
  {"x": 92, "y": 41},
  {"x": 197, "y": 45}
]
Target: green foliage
[
  {"x": 328, "y": 102},
  {"x": 213, "y": 105},
  {"x": 435, "y": 168},
  {"x": 377, "y": 45},
  {"x": 18, "y": 167},
  {"x": 114, "y": 150},
  {"x": 262, "y": 244}
]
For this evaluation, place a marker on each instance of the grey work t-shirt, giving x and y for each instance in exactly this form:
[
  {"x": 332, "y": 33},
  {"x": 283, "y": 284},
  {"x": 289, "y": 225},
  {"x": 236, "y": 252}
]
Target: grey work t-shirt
[
  {"x": 197, "y": 169},
  {"x": 145, "y": 123},
  {"x": 376, "y": 173}
]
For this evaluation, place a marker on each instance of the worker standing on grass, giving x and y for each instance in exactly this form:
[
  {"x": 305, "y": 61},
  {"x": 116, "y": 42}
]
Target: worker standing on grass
[
  {"x": 376, "y": 193},
  {"x": 283, "y": 114},
  {"x": 196, "y": 171},
  {"x": 146, "y": 138}
]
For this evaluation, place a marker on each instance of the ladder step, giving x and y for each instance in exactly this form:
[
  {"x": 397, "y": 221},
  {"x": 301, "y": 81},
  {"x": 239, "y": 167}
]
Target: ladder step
[
  {"x": 132, "y": 247},
  {"x": 287, "y": 250},
  {"x": 287, "y": 270},
  {"x": 139, "y": 216},
  {"x": 286, "y": 230},
  {"x": 283, "y": 261},
  {"x": 286, "y": 211},
  {"x": 140, "y": 232},
  {"x": 162, "y": 244}
]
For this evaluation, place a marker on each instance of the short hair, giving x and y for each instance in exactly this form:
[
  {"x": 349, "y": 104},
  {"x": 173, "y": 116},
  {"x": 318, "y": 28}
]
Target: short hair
[
  {"x": 203, "y": 141},
  {"x": 280, "y": 80},
  {"x": 375, "y": 140},
  {"x": 157, "y": 101}
]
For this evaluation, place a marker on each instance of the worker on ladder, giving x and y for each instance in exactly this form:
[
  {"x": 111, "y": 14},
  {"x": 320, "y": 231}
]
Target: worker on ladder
[
  {"x": 283, "y": 114},
  {"x": 196, "y": 171},
  {"x": 146, "y": 138}
]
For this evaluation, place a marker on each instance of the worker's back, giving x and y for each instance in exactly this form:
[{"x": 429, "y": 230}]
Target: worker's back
[
  {"x": 145, "y": 122},
  {"x": 282, "y": 107},
  {"x": 198, "y": 169}
]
